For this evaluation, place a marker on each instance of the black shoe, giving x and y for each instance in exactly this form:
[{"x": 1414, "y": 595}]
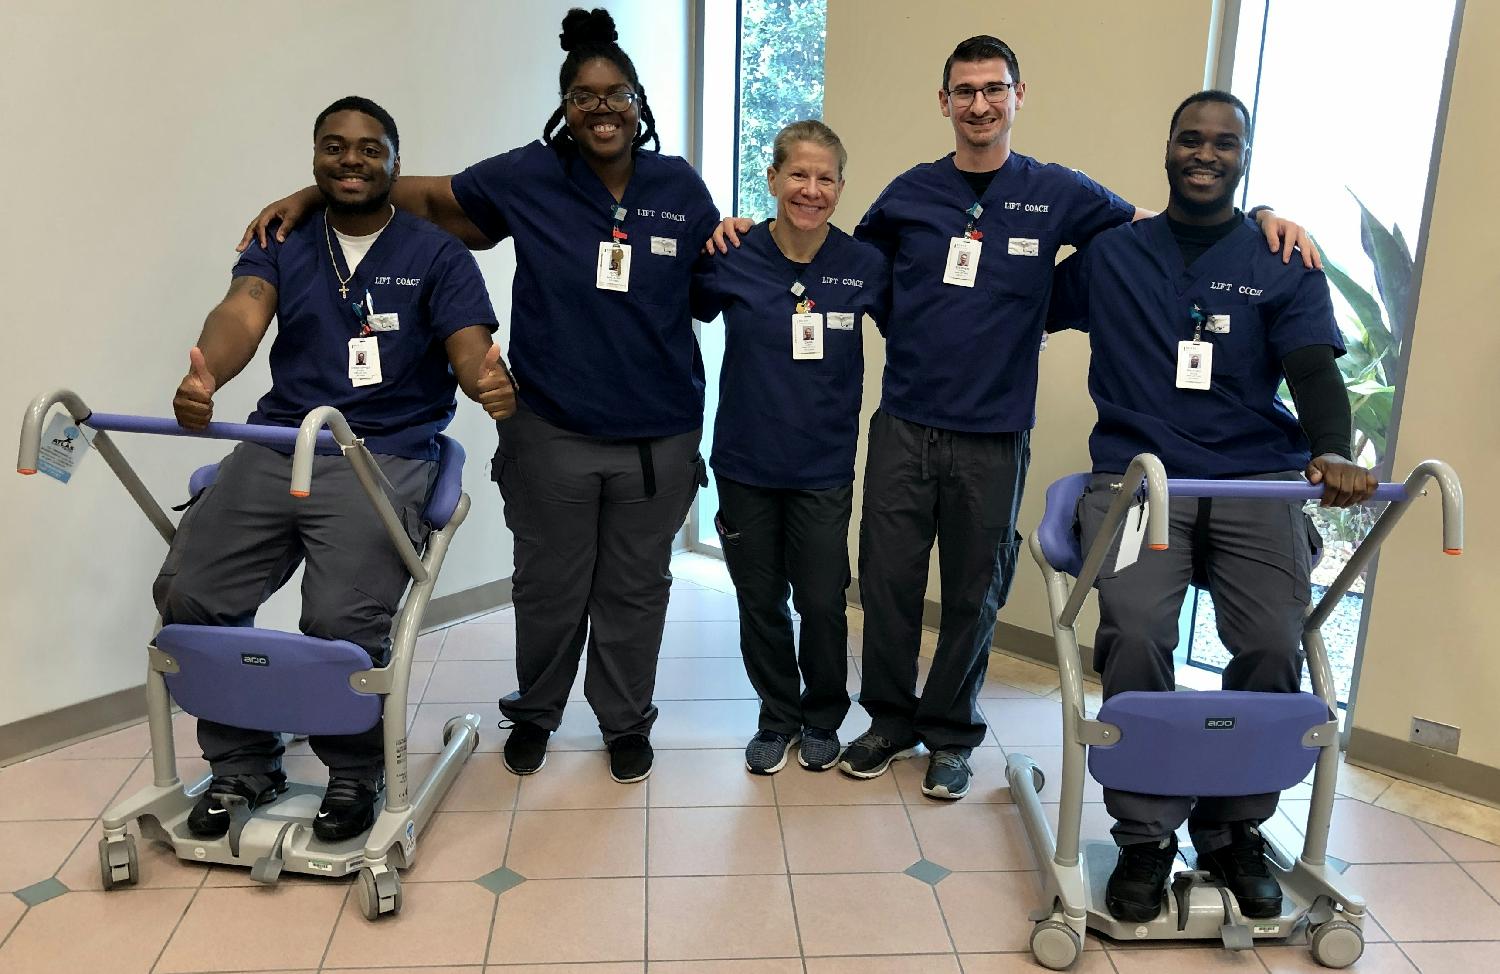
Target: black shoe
[
  {"x": 869, "y": 754},
  {"x": 1242, "y": 867},
  {"x": 209, "y": 818},
  {"x": 348, "y": 808},
  {"x": 1138, "y": 884},
  {"x": 766, "y": 753},
  {"x": 526, "y": 748},
  {"x": 819, "y": 750},
  {"x": 630, "y": 758},
  {"x": 947, "y": 775}
]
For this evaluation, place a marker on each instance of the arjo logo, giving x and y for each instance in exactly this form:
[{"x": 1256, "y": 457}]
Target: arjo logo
[
  {"x": 252, "y": 659},
  {"x": 1219, "y": 723}
]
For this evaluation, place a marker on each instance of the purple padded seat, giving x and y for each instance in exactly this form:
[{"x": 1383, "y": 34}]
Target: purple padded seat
[
  {"x": 1220, "y": 742},
  {"x": 266, "y": 680},
  {"x": 440, "y": 503},
  {"x": 1059, "y": 544}
]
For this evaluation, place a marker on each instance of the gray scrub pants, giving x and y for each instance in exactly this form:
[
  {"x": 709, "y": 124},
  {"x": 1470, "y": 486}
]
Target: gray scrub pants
[
  {"x": 780, "y": 542},
  {"x": 1255, "y": 558},
  {"x": 593, "y": 552},
  {"x": 964, "y": 490},
  {"x": 245, "y": 535}
]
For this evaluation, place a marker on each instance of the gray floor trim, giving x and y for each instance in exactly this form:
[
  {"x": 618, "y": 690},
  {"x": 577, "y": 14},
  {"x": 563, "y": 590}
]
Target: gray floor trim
[
  {"x": 27, "y": 738},
  {"x": 1406, "y": 761}
]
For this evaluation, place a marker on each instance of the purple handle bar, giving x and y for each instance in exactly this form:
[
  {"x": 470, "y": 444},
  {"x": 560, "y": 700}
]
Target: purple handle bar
[
  {"x": 1288, "y": 490},
  {"x": 250, "y": 433}
]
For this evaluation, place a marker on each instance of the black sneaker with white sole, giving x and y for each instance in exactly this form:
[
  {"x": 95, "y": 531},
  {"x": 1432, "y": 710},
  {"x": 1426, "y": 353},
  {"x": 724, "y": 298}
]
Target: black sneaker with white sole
[
  {"x": 209, "y": 818},
  {"x": 869, "y": 754},
  {"x": 526, "y": 748},
  {"x": 948, "y": 774},
  {"x": 348, "y": 808},
  {"x": 767, "y": 751},
  {"x": 630, "y": 758},
  {"x": 820, "y": 749}
]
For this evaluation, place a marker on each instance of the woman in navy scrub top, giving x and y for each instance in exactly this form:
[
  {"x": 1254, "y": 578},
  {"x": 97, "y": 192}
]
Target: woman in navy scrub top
[
  {"x": 600, "y": 463},
  {"x": 793, "y": 296}
]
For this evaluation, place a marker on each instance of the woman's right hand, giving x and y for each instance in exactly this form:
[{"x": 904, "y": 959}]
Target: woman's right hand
[{"x": 290, "y": 211}]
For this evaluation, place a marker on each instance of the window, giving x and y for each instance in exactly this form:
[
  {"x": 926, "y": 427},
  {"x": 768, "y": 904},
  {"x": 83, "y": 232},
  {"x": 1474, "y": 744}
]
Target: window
[
  {"x": 779, "y": 80},
  {"x": 1345, "y": 97}
]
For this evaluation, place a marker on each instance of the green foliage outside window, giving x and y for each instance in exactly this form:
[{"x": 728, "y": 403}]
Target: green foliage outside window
[{"x": 781, "y": 81}]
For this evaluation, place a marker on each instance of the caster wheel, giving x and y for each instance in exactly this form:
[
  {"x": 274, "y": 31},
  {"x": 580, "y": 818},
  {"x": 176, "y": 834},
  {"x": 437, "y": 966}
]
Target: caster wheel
[
  {"x": 379, "y": 895},
  {"x": 1038, "y": 779},
  {"x": 119, "y": 863},
  {"x": 1054, "y": 945},
  {"x": 1337, "y": 943}
]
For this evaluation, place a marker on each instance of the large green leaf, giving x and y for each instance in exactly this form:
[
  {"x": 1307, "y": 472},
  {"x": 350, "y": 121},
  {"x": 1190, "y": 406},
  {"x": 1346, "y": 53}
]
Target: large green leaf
[
  {"x": 1365, "y": 306},
  {"x": 1393, "y": 269}
]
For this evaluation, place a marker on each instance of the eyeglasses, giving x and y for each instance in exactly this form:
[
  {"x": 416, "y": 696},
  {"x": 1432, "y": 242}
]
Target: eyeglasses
[
  {"x": 994, "y": 93},
  {"x": 615, "y": 101}
]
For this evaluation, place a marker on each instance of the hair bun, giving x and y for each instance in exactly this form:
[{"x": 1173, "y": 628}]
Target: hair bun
[{"x": 582, "y": 28}]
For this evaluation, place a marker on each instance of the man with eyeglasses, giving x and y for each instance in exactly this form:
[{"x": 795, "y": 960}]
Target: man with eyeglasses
[{"x": 972, "y": 239}]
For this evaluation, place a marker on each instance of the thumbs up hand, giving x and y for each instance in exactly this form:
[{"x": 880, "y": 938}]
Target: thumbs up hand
[
  {"x": 194, "y": 403},
  {"x": 495, "y": 391}
]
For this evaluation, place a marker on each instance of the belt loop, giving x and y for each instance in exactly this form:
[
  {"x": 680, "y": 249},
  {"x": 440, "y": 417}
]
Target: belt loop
[{"x": 648, "y": 467}]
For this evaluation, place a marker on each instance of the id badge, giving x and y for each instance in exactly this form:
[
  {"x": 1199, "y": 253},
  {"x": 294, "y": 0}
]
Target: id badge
[
  {"x": 963, "y": 261},
  {"x": 1195, "y": 363},
  {"x": 807, "y": 335},
  {"x": 613, "y": 272},
  {"x": 364, "y": 361}
]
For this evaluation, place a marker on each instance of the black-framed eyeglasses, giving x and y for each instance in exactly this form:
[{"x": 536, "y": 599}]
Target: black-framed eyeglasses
[
  {"x": 994, "y": 93},
  {"x": 615, "y": 101}
]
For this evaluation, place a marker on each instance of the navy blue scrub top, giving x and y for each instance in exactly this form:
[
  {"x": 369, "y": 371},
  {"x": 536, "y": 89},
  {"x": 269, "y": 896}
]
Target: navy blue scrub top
[
  {"x": 962, "y": 358},
  {"x": 784, "y": 422},
  {"x": 424, "y": 275},
  {"x": 608, "y": 364},
  {"x": 1131, "y": 292}
]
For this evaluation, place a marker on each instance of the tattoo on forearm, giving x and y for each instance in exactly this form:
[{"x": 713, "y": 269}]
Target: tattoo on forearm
[{"x": 257, "y": 289}]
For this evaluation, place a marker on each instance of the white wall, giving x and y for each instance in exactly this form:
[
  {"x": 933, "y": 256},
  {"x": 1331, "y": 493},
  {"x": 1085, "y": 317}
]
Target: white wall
[{"x": 139, "y": 139}]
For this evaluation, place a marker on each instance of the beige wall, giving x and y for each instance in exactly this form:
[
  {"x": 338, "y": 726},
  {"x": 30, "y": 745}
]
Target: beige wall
[
  {"x": 139, "y": 138},
  {"x": 1432, "y": 650},
  {"x": 885, "y": 62}
]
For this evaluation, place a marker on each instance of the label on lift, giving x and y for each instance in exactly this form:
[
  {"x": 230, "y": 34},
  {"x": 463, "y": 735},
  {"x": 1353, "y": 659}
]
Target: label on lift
[{"x": 64, "y": 444}]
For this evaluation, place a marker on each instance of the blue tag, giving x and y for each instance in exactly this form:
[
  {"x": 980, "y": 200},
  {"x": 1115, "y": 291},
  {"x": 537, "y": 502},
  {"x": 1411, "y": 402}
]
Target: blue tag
[
  {"x": 63, "y": 447},
  {"x": 975, "y": 211}
]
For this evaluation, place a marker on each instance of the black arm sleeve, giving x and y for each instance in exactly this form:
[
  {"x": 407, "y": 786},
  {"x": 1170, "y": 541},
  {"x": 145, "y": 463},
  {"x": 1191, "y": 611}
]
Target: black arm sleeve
[{"x": 1322, "y": 404}]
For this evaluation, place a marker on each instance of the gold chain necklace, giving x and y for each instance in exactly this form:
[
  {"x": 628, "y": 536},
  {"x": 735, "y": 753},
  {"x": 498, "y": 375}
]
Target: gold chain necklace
[{"x": 328, "y": 237}]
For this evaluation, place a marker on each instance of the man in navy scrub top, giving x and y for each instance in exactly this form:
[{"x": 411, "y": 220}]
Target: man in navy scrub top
[
  {"x": 793, "y": 299},
  {"x": 600, "y": 463},
  {"x": 971, "y": 239},
  {"x": 1192, "y": 326},
  {"x": 380, "y": 315}
]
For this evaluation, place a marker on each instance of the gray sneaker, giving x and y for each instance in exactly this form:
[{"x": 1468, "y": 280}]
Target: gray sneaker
[
  {"x": 820, "y": 749},
  {"x": 766, "y": 753}
]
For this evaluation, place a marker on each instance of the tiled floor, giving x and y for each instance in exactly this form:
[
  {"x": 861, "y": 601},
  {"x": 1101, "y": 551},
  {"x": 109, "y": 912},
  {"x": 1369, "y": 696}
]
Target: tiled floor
[{"x": 703, "y": 868}]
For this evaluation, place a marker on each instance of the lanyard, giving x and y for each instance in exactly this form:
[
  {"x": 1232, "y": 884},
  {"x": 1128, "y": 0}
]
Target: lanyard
[
  {"x": 615, "y": 232},
  {"x": 1199, "y": 320},
  {"x": 974, "y": 213}
]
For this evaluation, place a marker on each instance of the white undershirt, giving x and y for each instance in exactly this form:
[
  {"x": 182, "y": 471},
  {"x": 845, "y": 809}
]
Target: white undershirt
[{"x": 355, "y": 248}]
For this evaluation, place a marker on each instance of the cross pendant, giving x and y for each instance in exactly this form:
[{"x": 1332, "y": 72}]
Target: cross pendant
[{"x": 343, "y": 290}]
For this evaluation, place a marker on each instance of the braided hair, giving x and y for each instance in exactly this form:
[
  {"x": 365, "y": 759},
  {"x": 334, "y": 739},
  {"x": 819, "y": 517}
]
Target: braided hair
[{"x": 586, "y": 35}]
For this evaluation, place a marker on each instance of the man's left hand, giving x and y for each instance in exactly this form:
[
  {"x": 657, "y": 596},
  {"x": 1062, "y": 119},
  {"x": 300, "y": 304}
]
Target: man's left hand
[
  {"x": 1284, "y": 235},
  {"x": 1344, "y": 483},
  {"x": 495, "y": 392}
]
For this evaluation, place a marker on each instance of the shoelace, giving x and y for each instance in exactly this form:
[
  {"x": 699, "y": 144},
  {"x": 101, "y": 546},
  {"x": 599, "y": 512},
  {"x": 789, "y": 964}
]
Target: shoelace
[
  {"x": 343, "y": 791},
  {"x": 1143, "y": 863},
  {"x": 949, "y": 759},
  {"x": 1250, "y": 855},
  {"x": 874, "y": 742}
]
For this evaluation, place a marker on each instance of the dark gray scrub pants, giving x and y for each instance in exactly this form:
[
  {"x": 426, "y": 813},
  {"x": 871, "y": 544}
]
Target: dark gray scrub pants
[
  {"x": 593, "y": 560},
  {"x": 243, "y": 538},
  {"x": 1255, "y": 558},
  {"x": 964, "y": 489},
  {"x": 780, "y": 542}
]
